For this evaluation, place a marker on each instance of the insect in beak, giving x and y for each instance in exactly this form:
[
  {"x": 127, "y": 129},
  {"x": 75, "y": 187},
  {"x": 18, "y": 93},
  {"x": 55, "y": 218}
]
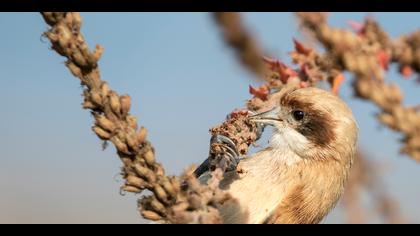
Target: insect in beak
[{"x": 268, "y": 117}]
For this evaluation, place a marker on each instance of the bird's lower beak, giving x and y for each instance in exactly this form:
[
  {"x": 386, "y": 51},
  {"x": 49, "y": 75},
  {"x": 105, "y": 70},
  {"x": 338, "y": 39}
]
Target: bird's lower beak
[{"x": 268, "y": 117}]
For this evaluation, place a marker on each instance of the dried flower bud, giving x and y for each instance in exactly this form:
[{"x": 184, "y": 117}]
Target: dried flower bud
[
  {"x": 79, "y": 59},
  {"x": 141, "y": 135},
  {"x": 97, "y": 53},
  {"x": 125, "y": 101},
  {"x": 157, "y": 206},
  {"x": 64, "y": 35},
  {"x": 122, "y": 147},
  {"x": 136, "y": 182},
  {"x": 88, "y": 105},
  {"x": 77, "y": 21},
  {"x": 151, "y": 215},
  {"x": 149, "y": 157},
  {"x": 105, "y": 89},
  {"x": 141, "y": 171},
  {"x": 105, "y": 123},
  {"x": 169, "y": 188},
  {"x": 131, "y": 139},
  {"x": 132, "y": 121},
  {"x": 130, "y": 189},
  {"x": 96, "y": 97},
  {"x": 74, "y": 69},
  {"x": 114, "y": 101},
  {"x": 160, "y": 193},
  {"x": 102, "y": 134}
]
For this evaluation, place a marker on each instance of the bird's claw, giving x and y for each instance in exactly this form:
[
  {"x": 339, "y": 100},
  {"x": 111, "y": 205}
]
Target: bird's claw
[{"x": 227, "y": 160}]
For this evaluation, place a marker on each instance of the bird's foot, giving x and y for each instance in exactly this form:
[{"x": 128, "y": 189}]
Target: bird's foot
[{"x": 226, "y": 157}]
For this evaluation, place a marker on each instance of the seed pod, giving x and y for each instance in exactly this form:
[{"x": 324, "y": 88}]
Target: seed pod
[
  {"x": 130, "y": 189},
  {"x": 105, "y": 88},
  {"x": 105, "y": 123},
  {"x": 64, "y": 35},
  {"x": 160, "y": 193},
  {"x": 151, "y": 215},
  {"x": 149, "y": 157},
  {"x": 132, "y": 122},
  {"x": 74, "y": 69},
  {"x": 141, "y": 135},
  {"x": 126, "y": 161},
  {"x": 122, "y": 147},
  {"x": 79, "y": 59},
  {"x": 131, "y": 140},
  {"x": 157, "y": 206},
  {"x": 114, "y": 101},
  {"x": 125, "y": 101},
  {"x": 77, "y": 21},
  {"x": 102, "y": 134},
  {"x": 136, "y": 182},
  {"x": 88, "y": 105},
  {"x": 141, "y": 171},
  {"x": 97, "y": 53},
  {"x": 96, "y": 97},
  {"x": 168, "y": 188}
]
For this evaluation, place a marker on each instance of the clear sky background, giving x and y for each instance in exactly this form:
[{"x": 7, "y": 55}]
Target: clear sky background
[{"x": 182, "y": 80}]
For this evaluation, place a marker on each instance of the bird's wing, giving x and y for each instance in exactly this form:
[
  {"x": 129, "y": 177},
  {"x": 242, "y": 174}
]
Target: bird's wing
[{"x": 201, "y": 169}]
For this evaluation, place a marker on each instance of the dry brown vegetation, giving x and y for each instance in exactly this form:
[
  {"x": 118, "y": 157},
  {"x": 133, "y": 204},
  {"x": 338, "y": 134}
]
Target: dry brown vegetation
[{"x": 365, "y": 53}]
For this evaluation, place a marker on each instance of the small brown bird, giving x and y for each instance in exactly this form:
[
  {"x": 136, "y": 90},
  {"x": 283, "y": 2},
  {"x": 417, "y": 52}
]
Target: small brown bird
[{"x": 301, "y": 175}]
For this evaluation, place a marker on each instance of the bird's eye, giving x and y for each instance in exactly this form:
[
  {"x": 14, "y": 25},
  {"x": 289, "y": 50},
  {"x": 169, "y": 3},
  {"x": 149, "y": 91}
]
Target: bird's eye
[{"x": 298, "y": 114}]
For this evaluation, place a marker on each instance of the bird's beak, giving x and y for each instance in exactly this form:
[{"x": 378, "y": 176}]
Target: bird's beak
[{"x": 268, "y": 117}]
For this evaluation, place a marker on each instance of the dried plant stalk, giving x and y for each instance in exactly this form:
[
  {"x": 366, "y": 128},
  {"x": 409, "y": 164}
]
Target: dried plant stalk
[{"x": 113, "y": 122}]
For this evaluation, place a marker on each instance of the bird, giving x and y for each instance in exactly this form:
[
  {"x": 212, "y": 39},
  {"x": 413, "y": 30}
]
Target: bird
[{"x": 301, "y": 174}]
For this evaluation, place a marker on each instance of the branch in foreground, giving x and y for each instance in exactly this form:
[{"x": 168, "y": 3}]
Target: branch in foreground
[{"x": 114, "y": 123}]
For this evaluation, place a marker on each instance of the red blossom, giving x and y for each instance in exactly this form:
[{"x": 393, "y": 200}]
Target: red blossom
[
  {"x": 273, "y": 63},
  {"x": 261, "y": 92},
  {"x": 300, "y": 48},
  {"x": 383, "y": 59},
  {"x": 337, "y": 81},
  {"x": 357, "y": 26},
  {"x": 284, "y": 71},
  {"x": 406, "y": 71}
]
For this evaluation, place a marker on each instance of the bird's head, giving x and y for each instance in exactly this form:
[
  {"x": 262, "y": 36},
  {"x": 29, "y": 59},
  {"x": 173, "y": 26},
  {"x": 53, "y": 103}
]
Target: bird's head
[{"x": 313, "y": 123}]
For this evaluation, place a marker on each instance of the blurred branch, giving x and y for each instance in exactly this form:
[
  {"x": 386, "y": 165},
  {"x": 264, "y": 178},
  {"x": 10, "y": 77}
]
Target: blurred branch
[
  {"x": 113, "y": 122},
  {"x": 365, "y": 177},
  {"x": 367, "y": 55},
  {"x": 242, "y": 42}
]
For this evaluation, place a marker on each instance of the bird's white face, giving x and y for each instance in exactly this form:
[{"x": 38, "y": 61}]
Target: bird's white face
[{"x": 310, "y": 122}]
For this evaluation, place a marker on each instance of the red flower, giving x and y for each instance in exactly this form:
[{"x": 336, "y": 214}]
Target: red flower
[
  {"x": 337, "y": 81},
  {"x": 300, "y": 48},
  {"x": 383, "y": 59},
  {"x": 406, "y": 71},
  {"x": 260, "y": 92}
]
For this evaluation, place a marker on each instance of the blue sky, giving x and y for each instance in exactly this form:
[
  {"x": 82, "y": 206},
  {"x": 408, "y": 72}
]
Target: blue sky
[{"x": 182, "y": 80}]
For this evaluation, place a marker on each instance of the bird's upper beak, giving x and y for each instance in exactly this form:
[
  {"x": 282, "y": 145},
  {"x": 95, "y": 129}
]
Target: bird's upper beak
[{"x": 268, "y": 117}]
